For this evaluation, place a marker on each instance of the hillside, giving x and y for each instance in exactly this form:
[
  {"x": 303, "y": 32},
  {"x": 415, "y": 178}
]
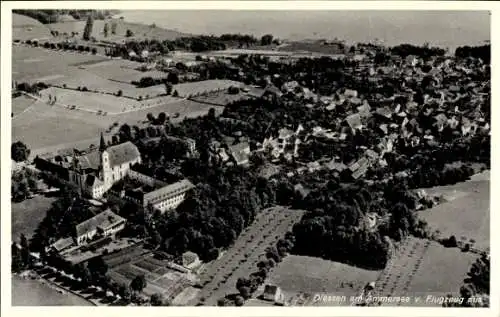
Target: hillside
[
  {"x": 140, "y": 31},
  {"x": 25, "y": 28}
]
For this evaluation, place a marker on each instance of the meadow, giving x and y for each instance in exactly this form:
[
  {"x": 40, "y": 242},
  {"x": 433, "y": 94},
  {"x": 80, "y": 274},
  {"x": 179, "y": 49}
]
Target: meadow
[
  {"x": 301, "y": 277},
  {"x": 27, "y": 215},
  {"x": 466, "y": 215}
]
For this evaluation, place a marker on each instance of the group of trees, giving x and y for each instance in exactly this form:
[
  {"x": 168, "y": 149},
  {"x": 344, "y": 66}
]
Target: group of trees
[
  {"x": 70, "y": 47},
  {"x": 171, "y": 79},
  {"x": 225, "y": 201},
  {"x": 424, "y": 51},
  {"x": 483, "y": 52},
  {"x": 23, "y": 184},
  {"x": 476, "y": 289},
  {"x": 20, "y": 255},
  {"x": 336, "y": 227},
  {"x": 200, "y": 43}
]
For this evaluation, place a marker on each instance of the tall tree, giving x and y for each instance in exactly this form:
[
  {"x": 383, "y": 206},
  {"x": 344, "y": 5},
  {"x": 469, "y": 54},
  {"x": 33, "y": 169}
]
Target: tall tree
[
  {"x": 106, "y": 29},
  {"x": 87, "y": 31}
]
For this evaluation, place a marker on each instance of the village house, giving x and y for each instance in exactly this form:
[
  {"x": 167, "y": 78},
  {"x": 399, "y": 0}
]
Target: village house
[
  {"x": 104, "y": 224},
  {"x": 240, "y": 153},
  {"x": 190, "y": 260},
  {"x": 274, "y": 294}
]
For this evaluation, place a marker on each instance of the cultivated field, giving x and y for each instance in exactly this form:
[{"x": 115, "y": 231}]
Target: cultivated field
[
  {"x": 21, "y": 103},
  {"x": 160, "y": 278},
  {"x": 467, "y": 216},
  {"x": 43, "y": 126},
  {"x": 220, "y": 276},
  {"x": 301, "y": 277},
  {"x": 202, "y": 87},
  {"x": 33, "y": 64},
  {"x": 27, "y": 215},
  {"x": 47, "y": 128}
]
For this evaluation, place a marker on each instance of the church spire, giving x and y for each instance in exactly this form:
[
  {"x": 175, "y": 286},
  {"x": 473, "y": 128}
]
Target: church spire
[{"x": 102, "y": 144}]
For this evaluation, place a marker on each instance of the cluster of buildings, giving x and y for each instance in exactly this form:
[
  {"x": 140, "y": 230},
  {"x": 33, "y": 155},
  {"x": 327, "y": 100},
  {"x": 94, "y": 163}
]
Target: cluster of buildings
[{"x": 112, "y": 170}]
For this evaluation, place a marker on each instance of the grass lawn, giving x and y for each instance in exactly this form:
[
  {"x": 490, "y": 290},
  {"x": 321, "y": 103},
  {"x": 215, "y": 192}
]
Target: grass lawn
[{"x": 27, "y": 214}]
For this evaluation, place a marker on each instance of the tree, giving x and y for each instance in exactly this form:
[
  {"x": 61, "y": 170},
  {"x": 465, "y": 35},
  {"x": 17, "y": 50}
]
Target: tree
[
  {"x": 168, "y": 88},
  {"x": 17, "y": 262},
  {"x": 245, "y": 292},
  {"x": 87, "y": 31},
  {"x": 106, "y": 29},
  {"x": 150, "y": 117},
  {"x": 94, "y": 51},
  {"x": 19, "y": 151},
  {"x": 129, "y": 33},
  {"x": 239, "y": 301},
  {"x": 156, "y": 299},
  {"x": 113, "y": 27},
  {"x": 162, "y": 117},
  {"x": 138, "y": 283},
  {"x": 266, "y": 39},
  {"x": 25, "y": 251}
]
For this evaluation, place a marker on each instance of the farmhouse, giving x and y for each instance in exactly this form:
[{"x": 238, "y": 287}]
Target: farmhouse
[{"x": 104, "y": 224}]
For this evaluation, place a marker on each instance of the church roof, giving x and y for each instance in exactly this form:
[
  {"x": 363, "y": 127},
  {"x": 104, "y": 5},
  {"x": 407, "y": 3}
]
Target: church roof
[
  {"x": 122, "y": 153},
  {"x": 90, "y": 160}
]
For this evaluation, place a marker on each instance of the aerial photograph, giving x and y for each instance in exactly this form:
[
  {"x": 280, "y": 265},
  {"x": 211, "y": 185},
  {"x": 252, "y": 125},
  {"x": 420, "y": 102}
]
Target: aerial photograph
[{"x": 250, "y": 158}]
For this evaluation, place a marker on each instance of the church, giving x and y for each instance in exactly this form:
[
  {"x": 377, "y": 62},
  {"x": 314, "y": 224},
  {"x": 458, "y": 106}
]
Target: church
[{"x": 97, "y": 171}]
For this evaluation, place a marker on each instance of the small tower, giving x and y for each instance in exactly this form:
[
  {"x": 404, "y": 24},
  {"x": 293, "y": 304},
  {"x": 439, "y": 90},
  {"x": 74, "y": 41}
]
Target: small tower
[{"x": 102, "y": 144}]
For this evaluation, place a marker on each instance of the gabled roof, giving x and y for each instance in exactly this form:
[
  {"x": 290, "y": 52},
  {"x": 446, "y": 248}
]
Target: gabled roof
[
  {"x": 177, "y": 188},
  {"x": 123, "y": 153},
  {"x": 285, "y": 133},
  {"x": 358, "y": 164},
  {"x": 62, "y": 244},
  {"x": 90, "y": 160},
  {"x": 384, "y": 112},
  {"x": 103, "y": 220},
  {"x": 354, "y": 121}
]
